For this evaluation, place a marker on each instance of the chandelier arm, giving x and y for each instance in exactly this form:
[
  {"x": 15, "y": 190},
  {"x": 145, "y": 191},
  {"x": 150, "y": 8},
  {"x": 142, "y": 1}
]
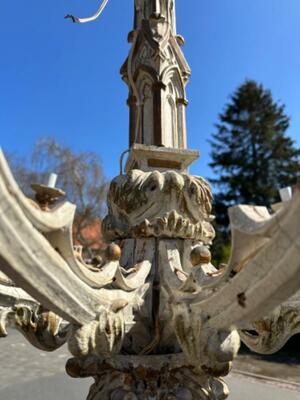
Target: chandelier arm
[
  {"x": 38, "y": 259},
  {"x": 273, "y": 273},
  {"x": 42, "y": 328},
  {"x": 269, "y": 334}
]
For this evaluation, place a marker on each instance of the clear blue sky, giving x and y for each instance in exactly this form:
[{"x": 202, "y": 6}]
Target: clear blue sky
[{"x": 61, "y": 79}]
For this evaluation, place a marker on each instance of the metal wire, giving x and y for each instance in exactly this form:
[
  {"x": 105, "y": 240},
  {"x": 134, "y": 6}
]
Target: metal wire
[
  {"x": 129, "y": 72},
  {"x": 89, "y": 19}
]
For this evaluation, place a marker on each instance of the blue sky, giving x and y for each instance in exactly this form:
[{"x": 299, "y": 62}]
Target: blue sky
[{"x": 61, "y": 79}]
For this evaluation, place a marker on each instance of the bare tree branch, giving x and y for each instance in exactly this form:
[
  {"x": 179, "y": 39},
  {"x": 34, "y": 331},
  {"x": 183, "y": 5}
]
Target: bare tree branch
[{"x": 80, "y": 175}]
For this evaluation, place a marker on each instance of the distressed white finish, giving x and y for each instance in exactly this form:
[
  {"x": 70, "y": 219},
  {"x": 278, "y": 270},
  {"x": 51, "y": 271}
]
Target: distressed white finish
[
  {"x": 153, "y": 158},
  {"x": 268, "y": 252},
  {"x": 156, "y": 299},
  {"x": 147, "y": 378},
  {"x": 156, "y": 73},
  {"x": 43, "y": 329},
  {"x": 155, "y": 204},
  {"x": 37, "y": 253},
  {"x": 161, "y": 322},
  {"x": 270, "y": 333}
]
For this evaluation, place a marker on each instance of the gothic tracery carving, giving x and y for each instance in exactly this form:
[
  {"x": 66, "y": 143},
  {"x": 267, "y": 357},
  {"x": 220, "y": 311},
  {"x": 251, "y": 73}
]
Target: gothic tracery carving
[
  {"x": 158, "y": 321},
  {"x": 157, "y": 49}
]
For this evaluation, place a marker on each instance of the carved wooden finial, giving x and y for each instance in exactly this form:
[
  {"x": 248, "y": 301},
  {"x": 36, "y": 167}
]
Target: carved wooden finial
[{"x": 156, "y": 73}]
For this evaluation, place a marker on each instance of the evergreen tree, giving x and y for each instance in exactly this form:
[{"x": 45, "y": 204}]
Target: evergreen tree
[{"x": 251, "y": 155}]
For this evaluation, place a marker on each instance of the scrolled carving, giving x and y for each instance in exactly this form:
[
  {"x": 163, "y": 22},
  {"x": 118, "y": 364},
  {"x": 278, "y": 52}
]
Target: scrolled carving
[
  {"x": 269, "y": 334},
  {"x": 140, "y": 203},
  {"x": 43, "y": 329},
  {"x": 155, "y": 320}
]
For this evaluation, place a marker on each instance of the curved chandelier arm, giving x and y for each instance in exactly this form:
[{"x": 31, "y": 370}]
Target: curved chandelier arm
[
  {"x": 42, "y": 328},
  {"x": 269, "y": 334},
  {"x": 47, "y": 291},
  {"x": 273, "y": 271},
  {"x": 89, "y": 19}
]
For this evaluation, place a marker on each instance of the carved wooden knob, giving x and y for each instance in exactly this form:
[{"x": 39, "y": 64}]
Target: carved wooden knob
[
  {"x": 200, "y": 255},
  {"x": 113, "y": 252}
]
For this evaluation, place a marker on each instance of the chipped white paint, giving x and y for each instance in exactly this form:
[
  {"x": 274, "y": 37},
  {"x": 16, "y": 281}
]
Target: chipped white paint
[
  {"x": 155, "y": 204},
  {"x": 162, "y": 322},
  {"x": 157, "y": 299}
]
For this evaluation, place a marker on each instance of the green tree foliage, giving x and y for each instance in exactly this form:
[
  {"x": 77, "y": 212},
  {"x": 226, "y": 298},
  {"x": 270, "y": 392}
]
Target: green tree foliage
[{"x": 252, "y": 156}]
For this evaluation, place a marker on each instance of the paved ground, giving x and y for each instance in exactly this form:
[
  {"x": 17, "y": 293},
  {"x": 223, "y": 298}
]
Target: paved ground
[
  {"x": 247, "y": 389},
  {"x": 27, "y": 373},
  {"x": 285, "y": 364}
]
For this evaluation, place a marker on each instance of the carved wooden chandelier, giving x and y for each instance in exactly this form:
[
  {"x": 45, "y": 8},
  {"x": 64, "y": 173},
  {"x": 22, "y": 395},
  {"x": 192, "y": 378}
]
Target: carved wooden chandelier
[{"x": 156, "y": 320}]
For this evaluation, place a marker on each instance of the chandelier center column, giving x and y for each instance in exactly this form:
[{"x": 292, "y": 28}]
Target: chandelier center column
[{"x": 157, "y": 73}]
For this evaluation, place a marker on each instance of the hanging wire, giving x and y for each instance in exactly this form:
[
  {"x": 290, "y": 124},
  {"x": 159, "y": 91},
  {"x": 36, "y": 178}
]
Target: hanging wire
[
  {"x": 129, "y": 72},
  {"x": 89, "y": 19}
]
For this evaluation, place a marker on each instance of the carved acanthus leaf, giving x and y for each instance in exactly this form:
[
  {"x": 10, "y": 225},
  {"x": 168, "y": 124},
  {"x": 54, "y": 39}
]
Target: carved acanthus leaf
[
  {"x": 212, "y": 351},
  {"x": 139, "y": 378},
  {"x": 206, "y": 300},
  {"x": 103, "y": 337},
  {"x": 168, "y": 204}
]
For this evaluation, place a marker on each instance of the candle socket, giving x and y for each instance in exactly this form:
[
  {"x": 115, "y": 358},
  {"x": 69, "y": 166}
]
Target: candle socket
[{"x": 46, "y": 196}]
